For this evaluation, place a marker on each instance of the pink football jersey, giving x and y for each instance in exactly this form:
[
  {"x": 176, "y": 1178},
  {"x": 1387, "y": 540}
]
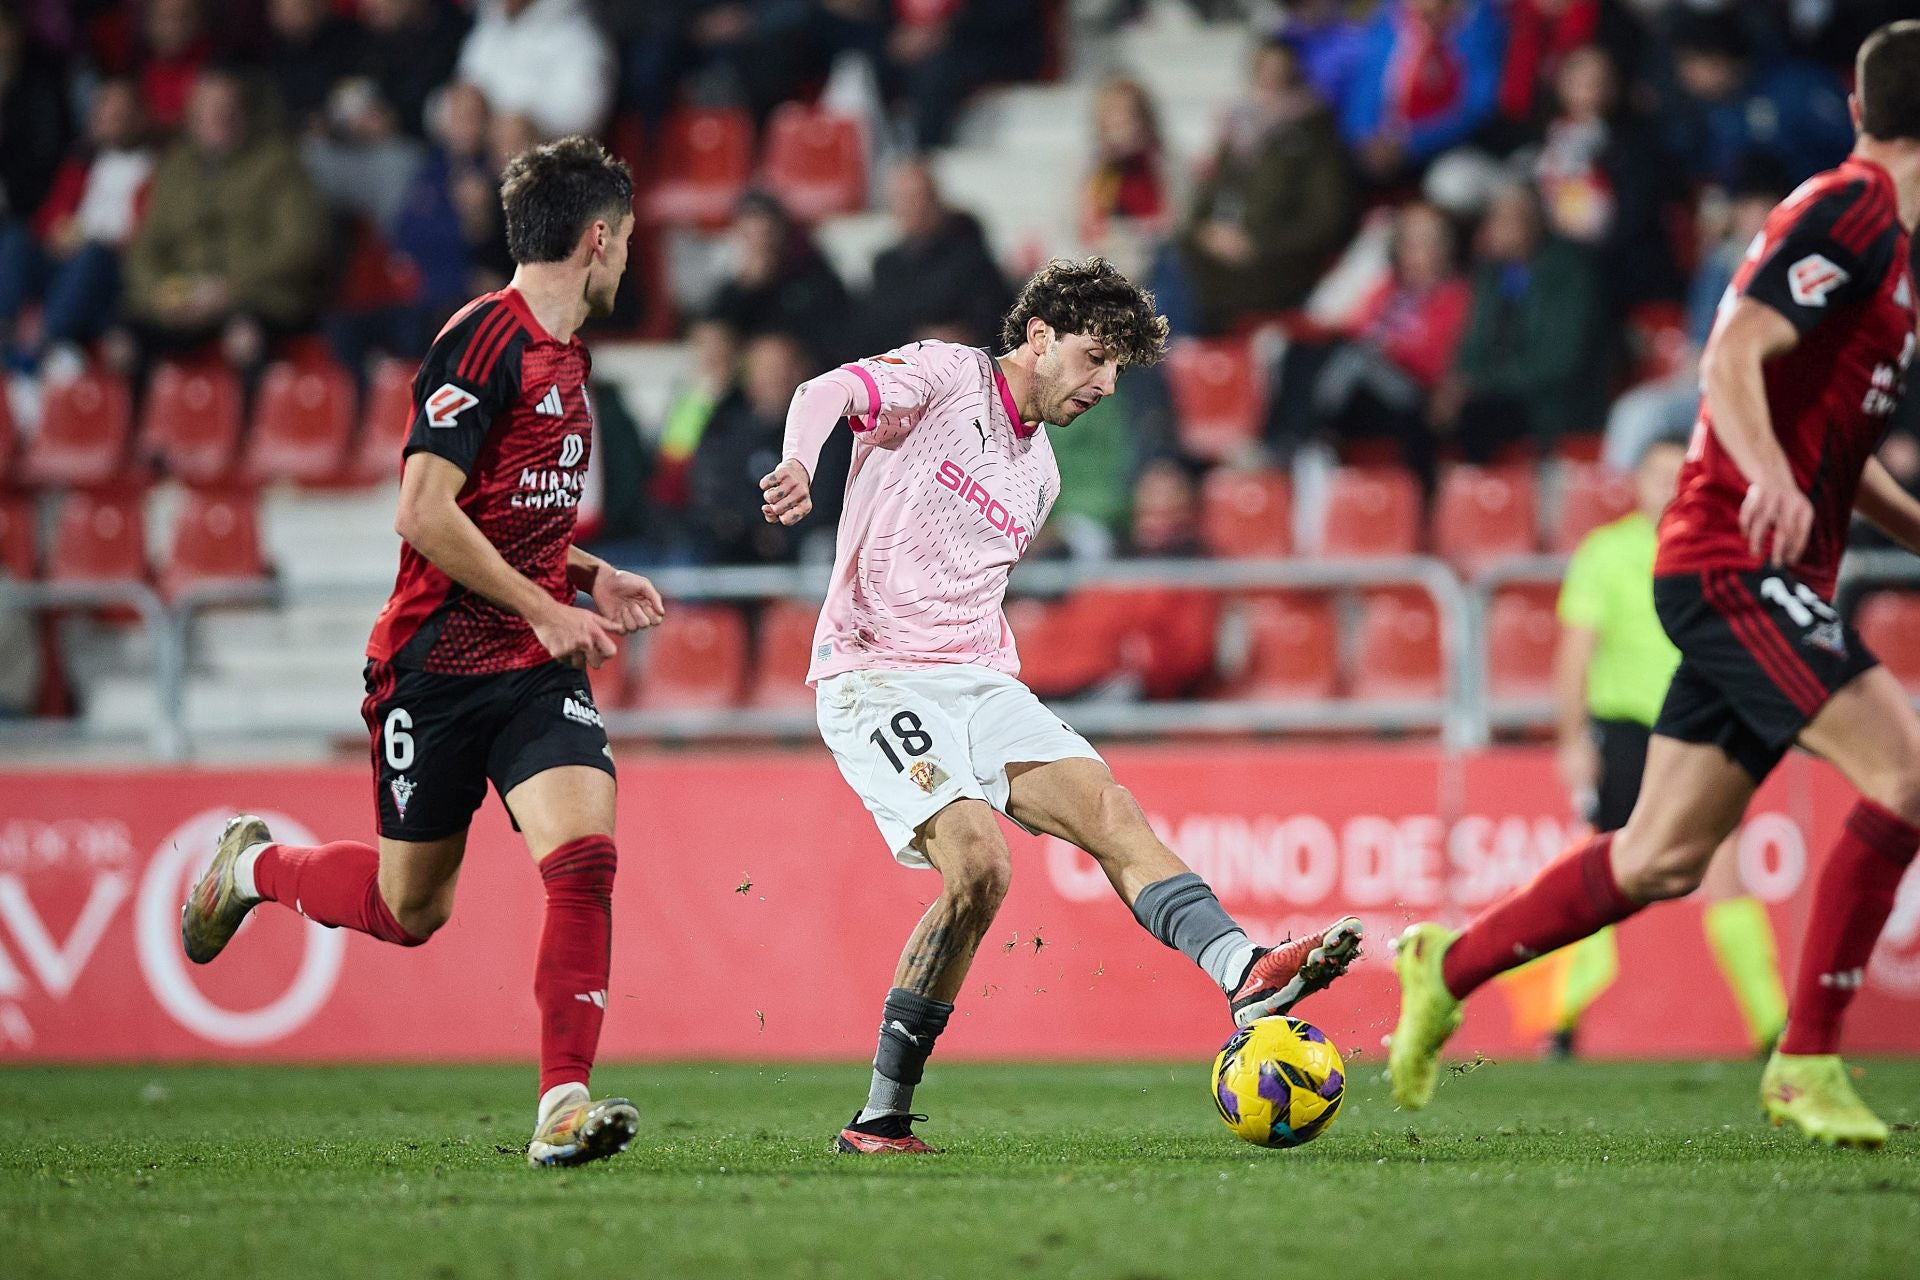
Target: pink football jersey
[{"x": 947, "y": 489}]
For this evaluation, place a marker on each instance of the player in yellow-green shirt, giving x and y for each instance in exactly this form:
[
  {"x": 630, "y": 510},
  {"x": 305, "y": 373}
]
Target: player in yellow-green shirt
[{"x": 1611, "y": 674}]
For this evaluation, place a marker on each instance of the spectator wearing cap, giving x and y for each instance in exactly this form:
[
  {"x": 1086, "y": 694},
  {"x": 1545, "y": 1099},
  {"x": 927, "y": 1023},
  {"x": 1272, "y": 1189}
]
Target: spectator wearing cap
[
  {"x": 544, "y": 59},
  {"x": 939, "y": 278}
]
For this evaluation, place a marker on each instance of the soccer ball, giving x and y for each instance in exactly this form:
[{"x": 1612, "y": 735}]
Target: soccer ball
[{"x": 1278, "y": 1083}]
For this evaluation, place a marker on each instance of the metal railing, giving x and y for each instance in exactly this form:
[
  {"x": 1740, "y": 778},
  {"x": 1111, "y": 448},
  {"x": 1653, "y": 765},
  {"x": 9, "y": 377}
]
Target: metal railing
[{"x": 1465, "y": 715}]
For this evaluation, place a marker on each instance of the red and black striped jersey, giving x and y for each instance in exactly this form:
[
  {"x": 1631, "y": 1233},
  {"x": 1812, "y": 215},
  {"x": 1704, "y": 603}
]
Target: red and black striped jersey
[
  {"x": 1832, "y": 259},
  {"x": 505, "y": 402}
]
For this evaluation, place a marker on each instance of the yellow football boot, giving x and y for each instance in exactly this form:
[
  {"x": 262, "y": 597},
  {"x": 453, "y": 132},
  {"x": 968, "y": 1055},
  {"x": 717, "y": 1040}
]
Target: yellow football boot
[
  {"x": 1428, "y": 1015},
  {"x": 1814, "y": 1094}
]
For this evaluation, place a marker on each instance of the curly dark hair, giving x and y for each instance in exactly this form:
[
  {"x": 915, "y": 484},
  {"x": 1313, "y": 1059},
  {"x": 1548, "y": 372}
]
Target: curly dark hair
[
  {"x": 1090, "y": 297},
  {"x": 552, "y": 193}
]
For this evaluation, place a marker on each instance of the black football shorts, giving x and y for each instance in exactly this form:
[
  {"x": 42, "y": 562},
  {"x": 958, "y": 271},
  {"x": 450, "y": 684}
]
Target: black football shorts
[
  {"x": 1760, "y": 654},
  {"x": 439, "y": 739}
]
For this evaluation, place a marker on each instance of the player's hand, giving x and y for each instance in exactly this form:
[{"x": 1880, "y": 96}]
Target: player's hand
[
  {"x": 1775, "y": 507},
  {"x": 575, "y": 636},
  {"x": 1578, "y": 762},
  {"x": 788, "y": 493},
  {"x": 627, "y": 600}
]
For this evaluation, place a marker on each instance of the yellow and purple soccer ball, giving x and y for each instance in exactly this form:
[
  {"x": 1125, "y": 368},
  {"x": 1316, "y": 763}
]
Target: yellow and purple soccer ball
[{"x": 1279, "y": 1082}]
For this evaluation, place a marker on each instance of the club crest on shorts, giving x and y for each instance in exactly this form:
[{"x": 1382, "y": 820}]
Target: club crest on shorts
[
  {"x": 1829, "y": 636},
  {"x": 926, "y": 775},
  {"x": 402, "y": 789}
]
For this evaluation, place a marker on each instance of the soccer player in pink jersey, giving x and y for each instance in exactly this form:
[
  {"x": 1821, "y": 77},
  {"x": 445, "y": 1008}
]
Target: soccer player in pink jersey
[{"x": 916, "y": 671}]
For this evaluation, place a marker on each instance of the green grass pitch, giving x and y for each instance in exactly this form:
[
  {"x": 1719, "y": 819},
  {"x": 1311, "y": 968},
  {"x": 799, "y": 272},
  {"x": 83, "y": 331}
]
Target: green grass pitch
[{"x": 1120, "y": 1172}]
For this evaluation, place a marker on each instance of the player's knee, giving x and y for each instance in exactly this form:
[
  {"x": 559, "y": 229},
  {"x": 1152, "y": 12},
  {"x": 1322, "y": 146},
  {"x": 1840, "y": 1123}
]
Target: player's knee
[
  {"x": 977, "y": 872},
  {"x": 1116, "y": 816},
  {"x": 1898, "y": 790},
  {"x": 1671, "y": 872},
  {"x": 422, "y": 919}
]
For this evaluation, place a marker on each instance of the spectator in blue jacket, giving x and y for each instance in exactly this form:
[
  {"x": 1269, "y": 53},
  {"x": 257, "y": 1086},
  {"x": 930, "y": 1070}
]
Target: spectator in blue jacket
[
  {"x": 1731, "y": 103},
  {"x": 1428, "y": 76}
]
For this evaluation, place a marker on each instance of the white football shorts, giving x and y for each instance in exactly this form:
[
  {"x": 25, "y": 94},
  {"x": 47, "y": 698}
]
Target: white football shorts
[{"x": 910, "y": 743}]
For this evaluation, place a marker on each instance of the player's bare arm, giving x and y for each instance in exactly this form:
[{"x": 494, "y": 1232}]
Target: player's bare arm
[
  {"x": 1577, "y": 758},
  {"x": 787, "y": 490},
  {"x": 431, "y": 521},
  {"x": 627, "y": 600},
  {"x": 1736, "y": 394},
  {"x": 1889, "y": 508}
]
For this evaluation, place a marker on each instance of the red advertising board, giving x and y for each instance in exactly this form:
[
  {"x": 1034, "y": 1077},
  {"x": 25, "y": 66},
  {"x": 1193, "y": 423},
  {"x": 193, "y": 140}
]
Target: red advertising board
[{"x": 758, "y": 915}]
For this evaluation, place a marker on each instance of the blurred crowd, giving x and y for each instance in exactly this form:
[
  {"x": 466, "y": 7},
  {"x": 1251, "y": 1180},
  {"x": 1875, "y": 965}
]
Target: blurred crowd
[{"x": 1448, "y": 229}]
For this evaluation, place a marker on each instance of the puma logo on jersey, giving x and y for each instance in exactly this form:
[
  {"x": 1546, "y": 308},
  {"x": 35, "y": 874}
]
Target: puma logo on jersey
[
  {"x": 953, "y": 476},
  {"x": 444, "y": 407},
  {"x": 1812, "y": 278},
  {"x": 550, "y": 403}
]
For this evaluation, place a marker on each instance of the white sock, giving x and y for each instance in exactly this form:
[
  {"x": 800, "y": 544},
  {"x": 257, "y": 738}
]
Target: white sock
[
  {"x": 1227, "y": 960},
  {"x": 561, "y": 1095},
  {"x": 243, "y": 871}
]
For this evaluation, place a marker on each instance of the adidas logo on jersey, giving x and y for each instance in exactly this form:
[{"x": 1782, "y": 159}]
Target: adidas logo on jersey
[{"x": 550, "y": 403}]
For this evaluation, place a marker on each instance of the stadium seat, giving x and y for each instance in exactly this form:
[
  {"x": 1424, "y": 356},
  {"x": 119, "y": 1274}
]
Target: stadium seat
[
  {"x": 191, "y": 423},
  {"x": 703, "y": 161},
  {"x": 1293, "y": 650},
  {"x": 1399, "y": 653},
  {"x": 816, "y": 162},
  {"x": 385, "y": 418},
  {"x": 216, "y": 538},
  {"x": 99, "y": 538},
  {"x": 1590, "y": 495},
  {"x": 1522, "y": 634},
  {"x": 1657, "y": 340},
  {"x": 781, "y": 654},
  {"x": 1246, "y": 513},
  {"x": 1217, "y": 397},
  {"x": 1372, "y": 511},
  {"x": 84, "y": 427},
  {"x": 695, "y": 661},
  {"x": 1889, "y": 623},
  {"x": 1484, "y": 514},
  {"x": 19, "y": 537},
  {"x": 301, "y": 423}
]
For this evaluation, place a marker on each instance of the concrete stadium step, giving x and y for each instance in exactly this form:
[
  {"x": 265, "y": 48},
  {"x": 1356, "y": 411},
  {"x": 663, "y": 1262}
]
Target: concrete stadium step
[
  {"x": 332, "y": 537},
  {"x": 119, "y": 706}
]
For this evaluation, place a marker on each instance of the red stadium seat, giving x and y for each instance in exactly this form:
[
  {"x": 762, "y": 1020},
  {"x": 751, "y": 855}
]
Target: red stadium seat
[
  {"x": 1246, "y": 513},
  {"x": 1522, "y": 633},
  {"x": 704, "y": 161},
  {"x": 1484, "y": 514},
  {"x": 385, "y": 418},
  {"x": 19, "y": 537},
  {"x": 99, "y": 538},
  {"x": 1218, "y": 401},
  {"x": 781, "y": 654},
  {"x": 1889, "y": 623},
  {"x": 216, "y": 538},
  {"x": 301, "y": 423},
  {"x": 1590, "y": 495},
  {"x": 816, "y": 162},
  {"x": 1400, "y": 655},
  {"x": 84, "y": 427},
  {"x": 695, "y": 661},
  {"x": 1657, "y": 340},
  {"x": 1294, "y": 649},
  {"x": 191, "y": 423},
  {"x": 1372, "y": 511}
]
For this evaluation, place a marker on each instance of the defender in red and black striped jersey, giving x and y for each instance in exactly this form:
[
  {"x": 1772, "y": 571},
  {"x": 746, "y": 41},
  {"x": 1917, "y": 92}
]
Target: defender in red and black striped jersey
[
  {"x": 506, "y": 403},
  {"x": 1801, "y": 372},
  {"x": 475, "y": 670}
]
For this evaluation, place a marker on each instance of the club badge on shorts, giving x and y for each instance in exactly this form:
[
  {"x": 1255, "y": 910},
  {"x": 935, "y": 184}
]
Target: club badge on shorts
[
  {"x": 402, "y": 788},
  {"x": 927, "y": 775}
]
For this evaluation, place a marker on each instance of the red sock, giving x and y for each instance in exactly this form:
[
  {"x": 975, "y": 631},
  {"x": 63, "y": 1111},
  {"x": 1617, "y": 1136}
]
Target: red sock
[
  {"x": 1573, "y": 896},
  {"x": 337, "y": 884},
  {"x": 576, "y": 952},
  {"x": 1851, "y": 904}
]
